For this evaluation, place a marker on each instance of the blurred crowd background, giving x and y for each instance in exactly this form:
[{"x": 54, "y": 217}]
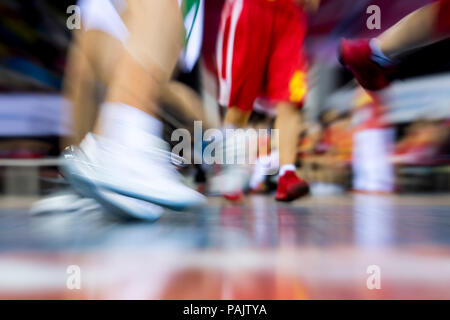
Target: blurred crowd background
[{"x": 398, "y": 142}]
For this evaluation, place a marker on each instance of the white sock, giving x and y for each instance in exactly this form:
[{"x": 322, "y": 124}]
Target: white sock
[
  {"x": 378, "y": 56},
  {"x": 128, "y": 125},
  {"x": 286, "y": 168}
]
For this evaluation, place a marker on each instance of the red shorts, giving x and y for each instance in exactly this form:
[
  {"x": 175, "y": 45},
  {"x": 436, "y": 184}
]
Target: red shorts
[
  {"x": 260, "y": 53},
  {"x": 443, "y": 23}
]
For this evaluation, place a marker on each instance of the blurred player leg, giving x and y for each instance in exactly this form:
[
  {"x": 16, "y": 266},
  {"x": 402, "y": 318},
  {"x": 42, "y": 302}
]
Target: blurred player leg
[
  {"x": 92, "y": 60},
  {"x": 92, "y": 57},
  {"x": 236, "y": 118},
  {"x": 242, "y": 52},
  {"x": 186, "y": 102},
  {"x": 79, "y": 86},
  {"x": 126, "y": 153},
  {"x": 371, "y": 60},
  {"x": 152, "y": 50},
  {"x": 287, "y": 83},
  {"x": 425, "y": 25},
  {"x": 288, "y": 123},
  {"x": 269, "y": 61}
]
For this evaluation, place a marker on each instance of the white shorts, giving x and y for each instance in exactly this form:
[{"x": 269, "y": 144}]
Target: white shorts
[{"x": 104, "y": 15}]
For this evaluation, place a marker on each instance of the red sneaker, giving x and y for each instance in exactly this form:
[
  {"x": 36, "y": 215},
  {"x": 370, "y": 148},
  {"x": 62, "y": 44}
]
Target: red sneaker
[
  {"x": 291, "y": 187},
  {"x": 356, "y": 56},
  {"x": 234, "y": 197}
]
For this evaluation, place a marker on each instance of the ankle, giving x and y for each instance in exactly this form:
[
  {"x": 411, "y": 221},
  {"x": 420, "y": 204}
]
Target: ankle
[
  {"x": 286, "y": 168},
  {"x": 378, "y": 55},
  {"x": 127, "y": 125}
]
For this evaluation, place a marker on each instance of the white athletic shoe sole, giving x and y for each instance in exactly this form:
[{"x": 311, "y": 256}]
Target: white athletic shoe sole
[
  {"x": 121, "y": 206},
  {"x": 155, "y": 187},
  {"x": 64, "y": 202}
]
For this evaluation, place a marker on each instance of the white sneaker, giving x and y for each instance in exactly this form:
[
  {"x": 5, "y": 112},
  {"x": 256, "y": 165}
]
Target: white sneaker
[
  {"x": 65, "y": 201},
  {"x": 109, "y": 202},
  {"x": 128, "y": 208},
  {"x": 148, "y": 175},
  {"x": 233, "y": 178},
  {"x": 321, "y": 189}
]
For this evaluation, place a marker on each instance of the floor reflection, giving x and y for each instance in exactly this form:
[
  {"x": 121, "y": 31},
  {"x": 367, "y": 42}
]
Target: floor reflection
[{"x": 313, "y": 249}]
